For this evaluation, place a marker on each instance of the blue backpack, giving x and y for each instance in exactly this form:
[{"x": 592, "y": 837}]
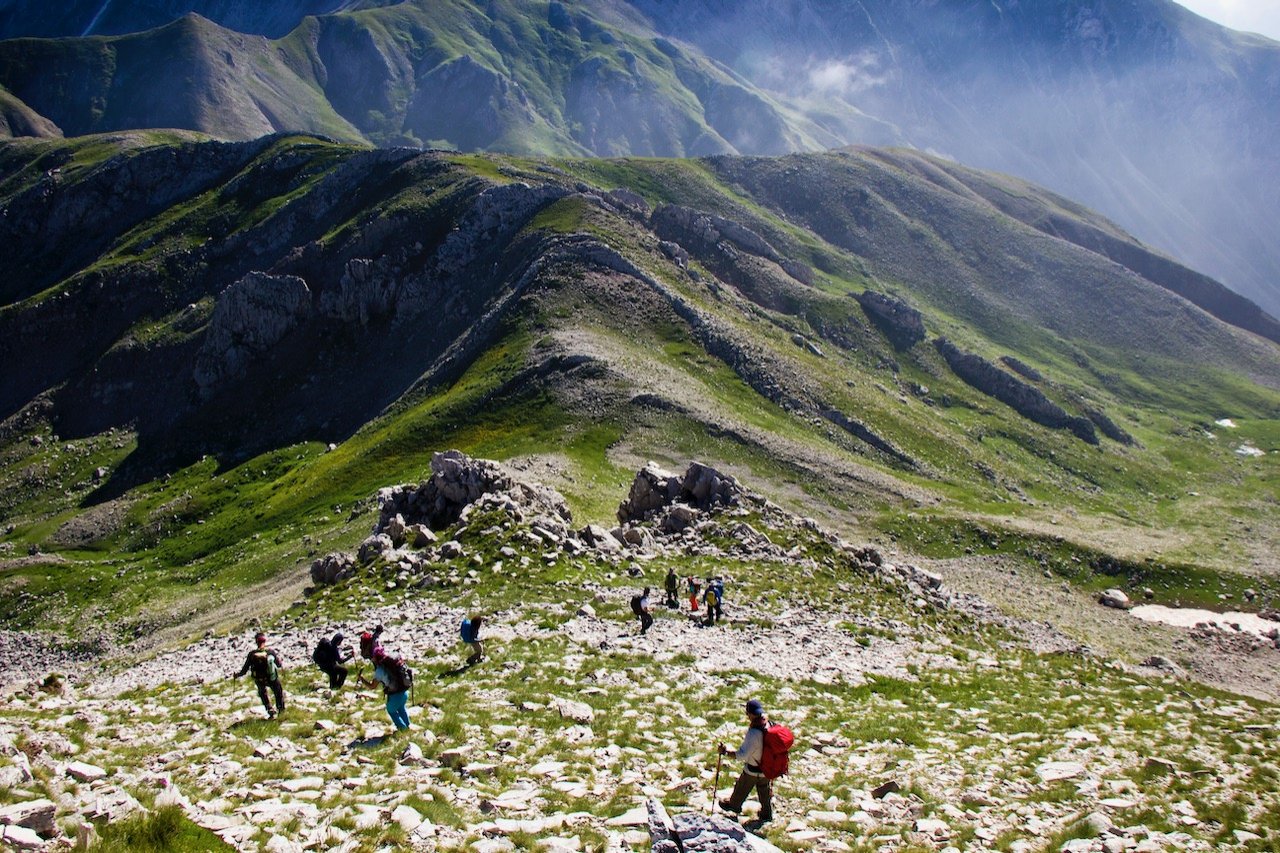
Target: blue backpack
[{"x": 467, "y": 631}]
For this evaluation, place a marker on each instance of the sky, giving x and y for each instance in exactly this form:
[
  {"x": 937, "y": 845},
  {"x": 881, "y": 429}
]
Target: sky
[{"x": 1253, "y": 16}]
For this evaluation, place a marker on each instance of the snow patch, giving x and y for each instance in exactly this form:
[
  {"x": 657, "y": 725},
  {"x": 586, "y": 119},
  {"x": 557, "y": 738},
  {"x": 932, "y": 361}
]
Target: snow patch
[{"x": 1189, "y": 617}]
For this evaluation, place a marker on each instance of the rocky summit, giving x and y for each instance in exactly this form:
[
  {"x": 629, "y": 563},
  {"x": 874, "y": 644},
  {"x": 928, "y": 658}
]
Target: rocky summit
[{"x": 925, "y": 718}]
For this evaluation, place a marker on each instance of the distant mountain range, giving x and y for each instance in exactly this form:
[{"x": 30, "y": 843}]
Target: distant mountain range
[{"x": 1142, "y": 110}]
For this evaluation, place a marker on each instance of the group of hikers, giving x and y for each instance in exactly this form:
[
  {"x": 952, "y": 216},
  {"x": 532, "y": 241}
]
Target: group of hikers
[
  {"x": 389, "y": 670},
  {"x": 763, "y": 752},
  {"x": 711, "y": 595}
]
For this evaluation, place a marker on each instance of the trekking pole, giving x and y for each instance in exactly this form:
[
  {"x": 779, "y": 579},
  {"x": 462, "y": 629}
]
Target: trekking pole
[{"x": 716, "y": 785}]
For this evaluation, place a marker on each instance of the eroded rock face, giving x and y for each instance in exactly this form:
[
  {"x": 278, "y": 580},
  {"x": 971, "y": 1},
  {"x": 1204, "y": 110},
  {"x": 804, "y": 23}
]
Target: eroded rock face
[
  {"x": 457, "y": 482},
  {"x": 699, "y": 487},
  {"x": 250, "y": 317},
  {"x": 900, "y": 323},
  {"x": 696, "y": 230},
  {"x": 1025, "y": 399}
]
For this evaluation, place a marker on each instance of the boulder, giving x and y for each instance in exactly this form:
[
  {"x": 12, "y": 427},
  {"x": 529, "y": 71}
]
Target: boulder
[
  {"x": 599, "y": 538},
  {"x": 397, "y": 530},
  {"x": 332, "y": 568},
  {"x": 374, "y": 547},
  {"x": 1115, "y": 598},
  {"x": 21, "y": 838},
  {"x": 421, "y": 536},
  {"x": 578, "y": 712}
]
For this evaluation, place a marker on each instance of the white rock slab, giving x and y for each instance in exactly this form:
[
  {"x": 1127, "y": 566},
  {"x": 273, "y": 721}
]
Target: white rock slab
[
  {"x": 1055, "y": 771},
  {"x": 82, "y": 772}
]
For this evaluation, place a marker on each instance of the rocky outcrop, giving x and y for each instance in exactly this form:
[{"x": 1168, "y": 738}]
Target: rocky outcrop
[
  {"x": 1021, "y": 368},
  {"x": 705, "y": 233},
  {"x": 457, "y": 481},
  {"x": 365, "y": 291},
  {"x": 900, "y": 323},
  {"x": 699, "y": 487},
  {"x": 693, "y": 832},
  {"x": 332, "y": 568},
  {"x": 1026, "y": 400},
  {"x": 250, "y": 317}
]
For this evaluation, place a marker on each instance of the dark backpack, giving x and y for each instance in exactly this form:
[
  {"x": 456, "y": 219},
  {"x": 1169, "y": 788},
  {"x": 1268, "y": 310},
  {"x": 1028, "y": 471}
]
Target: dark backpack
[
  {"x": 636, "y": 607},
  {"x": 775, "y": 759},
  {"x": 262, "y": 663},
  {"x": 325, "y": 655},
  {"x": 468, "y": 631},
  {"x": 399, "y": 676}
]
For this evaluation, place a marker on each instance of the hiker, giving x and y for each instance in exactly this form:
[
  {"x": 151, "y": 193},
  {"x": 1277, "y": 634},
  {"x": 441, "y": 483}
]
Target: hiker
[
  {"x": 396, "y": 680},
  {"x": 471, "y": 635},
  {"x": 640, "y": 607},
  {"x": 672, "y": 585},
  {"x": 369, "y": 642},
  {"x": 712, "y": 601},
  {"x": 715, "y": 600},
  {"x": 266, "y": 667},
  {"x": 750, "y": 754},
  {"x": 694, "y": 589},
  {"x": 329, "y": 657}
]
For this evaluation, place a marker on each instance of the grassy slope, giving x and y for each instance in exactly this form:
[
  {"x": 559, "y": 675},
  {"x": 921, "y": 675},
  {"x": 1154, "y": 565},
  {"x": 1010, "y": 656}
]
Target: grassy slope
[{"x": 1177, "y": 509}]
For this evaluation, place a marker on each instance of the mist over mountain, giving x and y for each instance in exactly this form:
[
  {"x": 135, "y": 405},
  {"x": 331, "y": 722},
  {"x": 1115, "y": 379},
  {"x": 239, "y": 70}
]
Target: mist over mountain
[{"x": 1156, "y": 117}]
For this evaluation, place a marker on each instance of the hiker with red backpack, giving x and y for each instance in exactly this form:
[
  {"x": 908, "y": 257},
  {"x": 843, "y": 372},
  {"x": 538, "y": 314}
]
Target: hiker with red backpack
[
  {"x": 396, "y": 680},
  {"x": 266, "y": 666},
  {"x": 370, "y": 642},
  {"x": 764, "y": 754}
]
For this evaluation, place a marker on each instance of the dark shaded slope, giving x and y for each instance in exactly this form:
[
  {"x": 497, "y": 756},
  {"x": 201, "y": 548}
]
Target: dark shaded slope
[{"x": 191, "y": 74}]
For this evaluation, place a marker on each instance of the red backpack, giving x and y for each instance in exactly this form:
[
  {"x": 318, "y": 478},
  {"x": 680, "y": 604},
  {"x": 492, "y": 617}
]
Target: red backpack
[{"x": 775, "y": 759}]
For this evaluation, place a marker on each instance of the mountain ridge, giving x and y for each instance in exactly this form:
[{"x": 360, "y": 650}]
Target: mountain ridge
[
  {"x": 1154, "y": 116},
  {"x": 292, "y": 291}
]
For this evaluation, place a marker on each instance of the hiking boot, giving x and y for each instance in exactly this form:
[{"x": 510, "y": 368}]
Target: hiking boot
[
  {"x": 727, "y": 806},
  {"x": 271, "y": 715}
]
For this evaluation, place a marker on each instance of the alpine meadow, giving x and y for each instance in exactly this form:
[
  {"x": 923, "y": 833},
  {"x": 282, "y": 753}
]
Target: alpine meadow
[{"x": 455, "y": 426}]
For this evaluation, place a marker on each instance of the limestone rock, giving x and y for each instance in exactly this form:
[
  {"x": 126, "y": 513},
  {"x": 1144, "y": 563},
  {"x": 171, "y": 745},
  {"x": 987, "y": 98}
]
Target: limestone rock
[
  {"x": 578, "y": 712},
  {"x": 82, "y": 772},
  {"x": 332, "y": 568},
  {"x": 35, "y": 815},
  {"x": 1115, "y": 598},
  {"x": 700, "y": 487},
  {"x": 374, "y": 547},
  {"x": 1054, "y": 771},
  {"x": 900, "y": 323},
  {"x": 407, "y": 816},
  {"x": 21, "y": 838},
  {"x": 249, "y": 318},
  {"x": 458, "y": 483}
]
